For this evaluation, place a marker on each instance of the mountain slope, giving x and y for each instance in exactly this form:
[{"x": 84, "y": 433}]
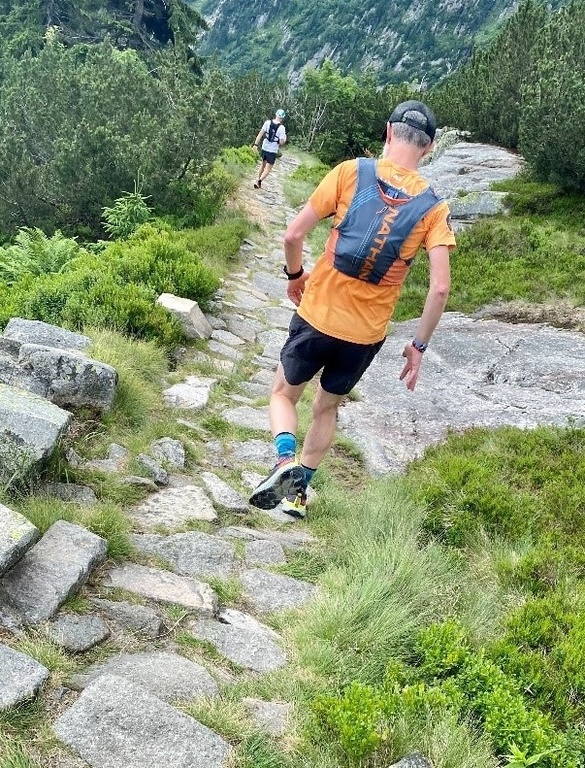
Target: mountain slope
[{"x": 399, "y": 39}]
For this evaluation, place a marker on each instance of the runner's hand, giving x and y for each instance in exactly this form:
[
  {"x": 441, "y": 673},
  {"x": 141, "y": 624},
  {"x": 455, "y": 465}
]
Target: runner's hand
[
  {"x": 296, "y": 288},
  {"x": 411, "y": 367}
]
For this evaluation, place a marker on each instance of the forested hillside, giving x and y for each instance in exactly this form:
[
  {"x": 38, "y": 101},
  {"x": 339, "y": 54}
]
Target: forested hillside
[
  {"x": 401, "y": 40},
  {"x": 145, "y": 24}
]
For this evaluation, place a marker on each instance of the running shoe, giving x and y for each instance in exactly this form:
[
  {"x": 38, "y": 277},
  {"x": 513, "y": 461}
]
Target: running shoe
[
  {"x": 295, "y": 505},
  {"x": 287, "y": 477}
]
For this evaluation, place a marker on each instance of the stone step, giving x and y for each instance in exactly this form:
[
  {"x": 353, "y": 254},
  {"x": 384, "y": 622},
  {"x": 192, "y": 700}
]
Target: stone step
[
  {"x": 50, "y": 572},
  {"x": 30, "y": 428},
  {"x": 20, "y": 677},
  {"x": 17, "y": 534},
  {"x": 168, "y": 676},
  {"x": 118, "y": 724},
  {"x": 242, "y": 639},
  {"x": 164, "y": 587}
]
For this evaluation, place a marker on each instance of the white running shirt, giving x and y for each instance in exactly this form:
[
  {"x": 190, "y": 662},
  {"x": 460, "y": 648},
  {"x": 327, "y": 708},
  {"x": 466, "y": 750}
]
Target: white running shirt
[{"x": 272, "y": 146}]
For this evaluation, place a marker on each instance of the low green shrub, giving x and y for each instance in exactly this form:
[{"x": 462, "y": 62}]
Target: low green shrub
[
  {"x": 117, "y": 287},
  {"x": 512, "y": 483},
  {"x": 356, "y": 719},
  {"x": 570, "y": 653},
  {"x": 198, "y": 197},
  {"x": 491, "y": 696},
  {"x": 238, "y": 156},
  {"x": 541, "y": 622},
  {"x": 91, "y": 297},
  {"x": 441, "y": 649},
  {"x": 164, "y": 263},
  {"x": 313, "y": 174},
  {"x": 217, "y": 244}
]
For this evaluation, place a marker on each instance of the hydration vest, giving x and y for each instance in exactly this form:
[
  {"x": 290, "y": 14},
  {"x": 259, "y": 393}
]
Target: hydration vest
[
  {"x": 378, "y": 221},
  {"x": 271, "y": 132}
]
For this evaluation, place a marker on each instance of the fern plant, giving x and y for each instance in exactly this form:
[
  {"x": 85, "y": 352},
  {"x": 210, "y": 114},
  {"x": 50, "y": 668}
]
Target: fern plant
[{"x": 33, "y": 253}]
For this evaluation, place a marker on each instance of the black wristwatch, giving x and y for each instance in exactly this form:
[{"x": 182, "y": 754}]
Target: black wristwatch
[
  {"x": 420, "y": 345},
  {"x": 293, "y": 275}
]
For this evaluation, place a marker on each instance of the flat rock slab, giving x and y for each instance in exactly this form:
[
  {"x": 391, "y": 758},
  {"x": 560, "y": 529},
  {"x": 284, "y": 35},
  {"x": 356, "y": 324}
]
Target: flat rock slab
[
  {"x": 246, "y": 302},
  {"x": 30, "y": 428},
  {"x": 191, "y": 554},
  {"x": 254, "y": 452},
  {"x": 265, "y": 553},
  {"x": 272, "y": 717},
  {"x": 17, "y": 534},
  {"x": 223, "y": 494},
  {"x": 278, "y": 317},
  {"x": 252, "y": 418},
  {"x": 470, "y": 167},
  {"x": 476, "y": 373},
  {"x": 167, "y": 676},
  {"x": 132, "y": 618},
  {"x": 244, "y": 328},
  {"x": 191, "y": 394},
  {"x": 243, "y": 640},
  {"x": 20, "y": 677},
  {"x": 37, "y": 332},
  {"x": 170, "y": 451},
  {"x": 273, "y": 342},
  {"x": 166, "y": 587},
  {"x": 173, "y": 507},
  {"x": 290, "y": 540},
  {"x": 117, "y": 724},
  {"x": 272, "y": 592},
  {"x": 55, "y": 568},
  {"x": 78, "y": 633},
  {"x": 226, "y": 337},
  {"x": 70, "y": 492}
]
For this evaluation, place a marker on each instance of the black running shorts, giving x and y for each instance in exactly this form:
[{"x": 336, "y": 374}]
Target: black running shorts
[
  {"x": 269, "y": 157},
  {"x": 307, "y": 351}
]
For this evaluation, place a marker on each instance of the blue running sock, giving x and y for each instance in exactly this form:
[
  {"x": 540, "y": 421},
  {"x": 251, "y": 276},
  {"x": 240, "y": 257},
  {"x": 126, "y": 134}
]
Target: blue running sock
[
  {"x": 286, "y": 445},
  {"x": 308, "y": 473}
]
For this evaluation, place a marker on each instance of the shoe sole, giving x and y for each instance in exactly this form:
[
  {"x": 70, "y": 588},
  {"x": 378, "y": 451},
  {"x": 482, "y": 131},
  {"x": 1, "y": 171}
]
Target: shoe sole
[
  {"x": 273, "y": 490},
  {"x": 294, "y": 513}
]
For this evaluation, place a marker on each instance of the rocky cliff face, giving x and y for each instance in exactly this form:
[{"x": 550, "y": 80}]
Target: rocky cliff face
[{"x": 400, "y": 40}]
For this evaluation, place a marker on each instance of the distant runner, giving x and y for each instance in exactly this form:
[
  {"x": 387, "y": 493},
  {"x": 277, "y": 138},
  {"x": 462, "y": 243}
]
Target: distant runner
[{"x": 272, "y": 135}]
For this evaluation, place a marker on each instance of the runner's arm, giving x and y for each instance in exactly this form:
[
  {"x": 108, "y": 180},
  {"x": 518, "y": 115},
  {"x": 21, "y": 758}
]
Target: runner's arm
[
  {"x": 294, "y": 238},
  {"x": 259, "y": 137},
  {"x": 439, "y": 285}
]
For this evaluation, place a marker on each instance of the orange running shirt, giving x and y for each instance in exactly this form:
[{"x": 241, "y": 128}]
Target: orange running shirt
[{"x": 348, "y": 308}]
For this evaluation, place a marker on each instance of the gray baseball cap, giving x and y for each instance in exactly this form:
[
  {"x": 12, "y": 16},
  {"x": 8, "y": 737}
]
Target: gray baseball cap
[{"x": 425, "y": 120}]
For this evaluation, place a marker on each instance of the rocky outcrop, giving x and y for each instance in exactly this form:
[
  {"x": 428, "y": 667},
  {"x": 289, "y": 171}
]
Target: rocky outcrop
[
  {"x": 48, "y": 361},
  {"x": 475, "y": 373},
  {"x": 30, "y": 428},
  {"x": 43, "y": 371},
  {"x": 462, "y": 172}
]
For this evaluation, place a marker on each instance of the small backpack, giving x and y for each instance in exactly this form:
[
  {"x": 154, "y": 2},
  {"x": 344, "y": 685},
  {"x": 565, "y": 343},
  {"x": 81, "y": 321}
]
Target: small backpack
[{"x": 271, "y": 132}]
